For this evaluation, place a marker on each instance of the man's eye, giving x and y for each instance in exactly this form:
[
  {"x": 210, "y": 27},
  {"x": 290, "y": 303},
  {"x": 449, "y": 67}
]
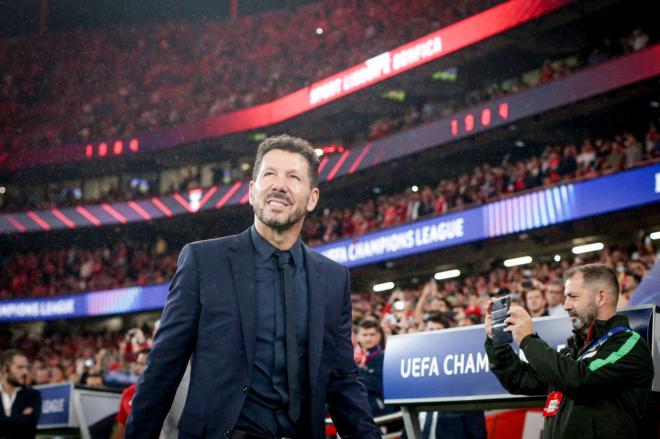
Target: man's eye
[{"x": 296, "y": 177}]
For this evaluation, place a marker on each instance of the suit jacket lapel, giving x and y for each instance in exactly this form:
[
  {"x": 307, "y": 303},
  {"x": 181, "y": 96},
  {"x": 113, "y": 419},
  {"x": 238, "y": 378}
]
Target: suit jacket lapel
[
  {"x": 241, "y": 259},
  {"x": 316, "y": 286}
]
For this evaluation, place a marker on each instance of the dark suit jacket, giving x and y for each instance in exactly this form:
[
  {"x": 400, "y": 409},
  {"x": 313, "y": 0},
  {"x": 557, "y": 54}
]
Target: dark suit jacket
[
  {"x": 211, "y": 314},
  {"x": 18, "y": 425}
]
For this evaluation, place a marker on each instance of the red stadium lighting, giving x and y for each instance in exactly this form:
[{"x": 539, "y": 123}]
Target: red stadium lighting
[
  {"x": 485, "y": 117},
  {"x": 504, "y": 110},
  {"x": 103, "y": 149},
  {"x": 134, "y": 145},
  {"x": 89, "y": 151},
  {"x": 118, "y": 147},
  {"x": 469, "y": 122}
]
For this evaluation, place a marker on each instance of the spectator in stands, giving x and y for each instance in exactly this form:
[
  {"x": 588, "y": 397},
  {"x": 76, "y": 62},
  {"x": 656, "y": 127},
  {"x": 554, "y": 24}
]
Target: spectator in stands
[
  {"x": 637, "y": 40},
  {"x": 554, "y": 296},
  {"x": 41, "y": 376},
  {"x": 56, "y": 375},
  {"x": 94, "y": 379},
  {"x": 371, "y": 340},
  {"x": 127, "y": 396},
  {"x": 21, "y": 405},
  {"x": 535, "y": 302}
]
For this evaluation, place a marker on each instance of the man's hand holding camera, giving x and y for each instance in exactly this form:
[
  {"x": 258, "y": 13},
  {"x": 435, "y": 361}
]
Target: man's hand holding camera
[{"x": 519, "y": 323}]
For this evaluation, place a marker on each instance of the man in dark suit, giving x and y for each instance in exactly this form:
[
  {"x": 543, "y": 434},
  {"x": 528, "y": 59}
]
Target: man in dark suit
[
  {"x": 266, "y": 319},
  {"x": 21, "y": 405}
]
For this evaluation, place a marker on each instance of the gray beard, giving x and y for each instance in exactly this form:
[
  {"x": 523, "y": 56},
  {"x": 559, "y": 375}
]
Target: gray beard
[
  {"x": 278, "y": 224},
  {"x": 583, "y": 321}
]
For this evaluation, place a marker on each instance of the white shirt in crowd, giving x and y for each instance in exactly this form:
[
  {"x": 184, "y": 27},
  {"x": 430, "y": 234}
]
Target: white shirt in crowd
[{"x": 8, "y": 401}]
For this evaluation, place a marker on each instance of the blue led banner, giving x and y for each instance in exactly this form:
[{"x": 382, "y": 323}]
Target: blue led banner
[
  {"x": 452, "y": 365},
  {"x": 99, "y": 303},
  {"x": 520, "y": 213}
]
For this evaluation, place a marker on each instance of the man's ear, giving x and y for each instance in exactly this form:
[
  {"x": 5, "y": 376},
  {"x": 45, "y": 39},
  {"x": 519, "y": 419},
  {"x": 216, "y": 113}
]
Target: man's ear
[
  {"x": 312, "y": 200},
  {"x": 250, "y": 192}
]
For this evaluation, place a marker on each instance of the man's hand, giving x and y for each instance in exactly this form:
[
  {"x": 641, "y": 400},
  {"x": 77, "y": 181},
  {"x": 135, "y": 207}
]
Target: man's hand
[
  {"x": 520, "y": 323},
  {"x": 28, "y": 411}
]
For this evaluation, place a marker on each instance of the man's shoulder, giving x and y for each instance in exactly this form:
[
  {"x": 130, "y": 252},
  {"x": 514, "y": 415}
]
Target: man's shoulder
[
  {"x": 324, "y": 261},
  {"x": 214, "y": 244}
]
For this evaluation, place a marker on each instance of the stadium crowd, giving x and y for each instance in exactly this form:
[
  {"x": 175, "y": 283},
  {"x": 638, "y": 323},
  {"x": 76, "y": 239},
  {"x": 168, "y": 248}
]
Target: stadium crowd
[
  {"x": 74, "y": 86},
  {"x": 107, "y": 358},
  {"x": 487, "y": 182},
  {"x": 70, "y": 270},
  {"x": 71, "y": 194},
  {"x": 64, "y": 271}
]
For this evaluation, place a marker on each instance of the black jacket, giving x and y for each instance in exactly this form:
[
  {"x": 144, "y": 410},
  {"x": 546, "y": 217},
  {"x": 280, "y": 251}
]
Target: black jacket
[
  {"x": 18, "y": 425},
  {"x": 604, "y": 394}
]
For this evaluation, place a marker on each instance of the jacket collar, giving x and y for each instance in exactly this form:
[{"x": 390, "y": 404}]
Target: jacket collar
[
  {"x": 598, "y": 329},
  {"x": 241, "y": 260}
]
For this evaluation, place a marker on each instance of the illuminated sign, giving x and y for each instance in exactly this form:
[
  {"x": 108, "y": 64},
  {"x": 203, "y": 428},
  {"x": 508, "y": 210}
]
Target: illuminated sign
[
  {"x": 525, "y": 212},
  {"x": 482, "y": 119},
  {"x": 376, "y": 69},
  {"x": 98, "y": 303},
  {"x": 111, "y": 149}
]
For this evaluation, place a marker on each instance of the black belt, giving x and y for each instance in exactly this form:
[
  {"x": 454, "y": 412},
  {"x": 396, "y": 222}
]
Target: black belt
[{"x": 238, "y": 434}]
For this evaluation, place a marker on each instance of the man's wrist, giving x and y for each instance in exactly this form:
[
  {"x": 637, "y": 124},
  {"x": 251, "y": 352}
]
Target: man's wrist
[{"x": 526, "y": 338}]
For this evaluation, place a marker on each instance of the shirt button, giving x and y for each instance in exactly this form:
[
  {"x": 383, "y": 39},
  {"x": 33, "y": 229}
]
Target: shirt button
[{"x": 245, "y": 389}]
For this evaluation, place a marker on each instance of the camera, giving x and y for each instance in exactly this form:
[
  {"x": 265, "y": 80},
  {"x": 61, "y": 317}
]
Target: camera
[{"x": 500, "y": 310}]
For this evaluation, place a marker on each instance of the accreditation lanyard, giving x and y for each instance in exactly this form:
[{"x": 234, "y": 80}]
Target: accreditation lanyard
[{"x": 598, "y": 343}]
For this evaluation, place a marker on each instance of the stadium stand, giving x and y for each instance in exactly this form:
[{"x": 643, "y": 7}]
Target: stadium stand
[
  {"x": 70, "y": 270},
  {"x": 100, "y": 84}
]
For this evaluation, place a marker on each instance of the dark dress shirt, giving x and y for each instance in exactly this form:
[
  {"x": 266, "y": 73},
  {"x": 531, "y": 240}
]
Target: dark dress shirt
[{"x": 265, "y": 408}]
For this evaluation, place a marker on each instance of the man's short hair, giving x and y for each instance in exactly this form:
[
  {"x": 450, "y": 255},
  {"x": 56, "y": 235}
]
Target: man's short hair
[
  {"x": 369, "y": 324},
  {"x": 532, "y": 290},
  {"x": 596, "y": 275},
  {"x": 557, "y": 281},
  {"x": 289, "y": 143},
  {"x": 439, "y": 318},
  {"x": 7, "y": 357}
]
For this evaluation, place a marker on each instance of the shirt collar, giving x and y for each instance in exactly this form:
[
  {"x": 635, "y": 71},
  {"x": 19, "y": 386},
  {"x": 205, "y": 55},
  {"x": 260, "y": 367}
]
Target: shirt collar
[{"x": 265, "y": 249}]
